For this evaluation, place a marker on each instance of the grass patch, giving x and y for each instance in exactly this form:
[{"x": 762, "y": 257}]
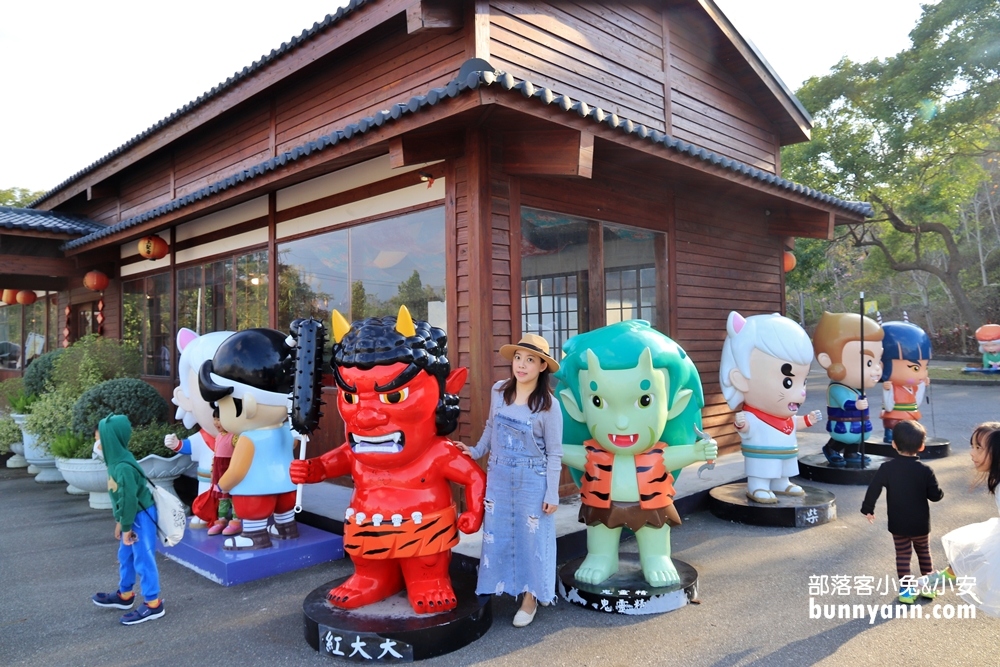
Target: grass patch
[{"x": 955, "y": 373}]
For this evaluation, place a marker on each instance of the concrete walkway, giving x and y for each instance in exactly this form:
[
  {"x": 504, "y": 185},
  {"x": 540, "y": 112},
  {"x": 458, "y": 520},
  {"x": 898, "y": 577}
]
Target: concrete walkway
[{"x": 55, "y": 552}]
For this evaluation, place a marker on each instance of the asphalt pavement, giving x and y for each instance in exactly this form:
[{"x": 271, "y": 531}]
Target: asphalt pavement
[{"x": 754, "y": 589}]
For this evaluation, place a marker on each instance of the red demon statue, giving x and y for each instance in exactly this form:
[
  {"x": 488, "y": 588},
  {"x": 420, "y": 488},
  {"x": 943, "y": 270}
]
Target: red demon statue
[{"x": 398, "y": 398}]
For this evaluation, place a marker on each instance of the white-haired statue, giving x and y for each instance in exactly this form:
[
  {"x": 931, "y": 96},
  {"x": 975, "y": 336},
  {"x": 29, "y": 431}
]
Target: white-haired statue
[
  {"x": 192, "y": 408},
  {"x": 765, "y": 362}
]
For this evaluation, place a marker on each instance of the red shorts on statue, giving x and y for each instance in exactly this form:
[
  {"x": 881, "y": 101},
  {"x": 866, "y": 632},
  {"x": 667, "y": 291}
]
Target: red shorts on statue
[{"x": 261, "y": 507}]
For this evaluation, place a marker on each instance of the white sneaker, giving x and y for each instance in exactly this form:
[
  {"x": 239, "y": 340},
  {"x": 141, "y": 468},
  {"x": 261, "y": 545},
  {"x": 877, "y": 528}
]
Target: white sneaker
[{"x": 523, "y": 618}]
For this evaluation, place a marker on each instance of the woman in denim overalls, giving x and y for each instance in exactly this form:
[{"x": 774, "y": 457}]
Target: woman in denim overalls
[{"x": 523, "y": 436}]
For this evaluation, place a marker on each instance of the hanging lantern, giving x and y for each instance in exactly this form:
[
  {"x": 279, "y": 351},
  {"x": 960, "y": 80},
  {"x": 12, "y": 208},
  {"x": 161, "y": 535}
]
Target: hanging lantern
[
  {"x": 153, "y": 247},
  {"x": 9, "y": 296},
  {"x": 96, "y": 281},
  {"x": 790, "y": 261},
  {"x": 26, "y": 297}
]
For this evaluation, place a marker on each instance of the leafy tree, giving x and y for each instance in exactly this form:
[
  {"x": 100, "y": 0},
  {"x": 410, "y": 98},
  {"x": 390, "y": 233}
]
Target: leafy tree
[
  {"x": 912, "y": 134},
  {"x": 19, "y": 197}
]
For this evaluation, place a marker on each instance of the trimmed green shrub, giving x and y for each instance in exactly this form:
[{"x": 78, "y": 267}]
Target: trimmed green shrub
[
  {"x": 9, "y": 434},
  {"x": 135, "y": 399},
  {"x": 50, "y": 415},
  {"x": 148, "y": 440},
  {"x": 38, "y": 376},
  {"x": 69, "y": 445},
  {"x": 94, "y": 359}
]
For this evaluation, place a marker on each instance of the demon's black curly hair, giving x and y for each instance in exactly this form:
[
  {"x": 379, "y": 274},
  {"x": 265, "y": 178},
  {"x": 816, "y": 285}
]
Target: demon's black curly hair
[{"x": 375, "y": 342}]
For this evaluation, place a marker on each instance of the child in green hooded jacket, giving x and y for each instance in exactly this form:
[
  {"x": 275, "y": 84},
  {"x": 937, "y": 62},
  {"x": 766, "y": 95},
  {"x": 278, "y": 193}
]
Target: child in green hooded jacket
[{"x": 135, "y": 527}]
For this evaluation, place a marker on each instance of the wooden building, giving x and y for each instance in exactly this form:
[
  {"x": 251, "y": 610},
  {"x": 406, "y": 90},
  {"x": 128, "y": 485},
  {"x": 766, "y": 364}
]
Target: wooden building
[{"x": 500, "y": 166}]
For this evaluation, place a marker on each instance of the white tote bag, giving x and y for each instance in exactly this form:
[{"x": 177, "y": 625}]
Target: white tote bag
[{"x": 170, "y": 516}]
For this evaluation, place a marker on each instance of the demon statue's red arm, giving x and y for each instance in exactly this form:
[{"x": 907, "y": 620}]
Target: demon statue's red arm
[
  {"x": 463, "y": 470},
  {"x": 334, "y": 463}
]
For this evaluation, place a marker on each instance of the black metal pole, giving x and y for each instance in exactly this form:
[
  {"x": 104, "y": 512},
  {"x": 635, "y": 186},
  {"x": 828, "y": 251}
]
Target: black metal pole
[{"x": 863, "y": 419}]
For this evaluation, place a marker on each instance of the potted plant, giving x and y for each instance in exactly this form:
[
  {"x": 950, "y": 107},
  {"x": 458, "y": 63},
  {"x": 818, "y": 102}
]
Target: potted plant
[
  {"x": 62, "y": 377},
  {"x": 147, "y": 411},
  {"x": 162, "y": 465},
  {"x": 10, "y": 434},
  {"x": 81, "y": 469},
  {"x": 14, "y": 399},
  {"x": 50, "y": 416}
]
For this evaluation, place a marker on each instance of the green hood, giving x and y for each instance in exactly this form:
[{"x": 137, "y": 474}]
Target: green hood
[{"x": 115, "y": 432}]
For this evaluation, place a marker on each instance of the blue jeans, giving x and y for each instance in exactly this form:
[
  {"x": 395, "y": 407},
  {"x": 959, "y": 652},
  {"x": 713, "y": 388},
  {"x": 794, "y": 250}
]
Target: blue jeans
[{"x": 140, "y": 557}]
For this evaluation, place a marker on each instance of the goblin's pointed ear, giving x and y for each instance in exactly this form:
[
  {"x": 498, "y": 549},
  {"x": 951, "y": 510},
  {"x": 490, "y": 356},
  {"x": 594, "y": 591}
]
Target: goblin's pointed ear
[
  {"x": 681, "y": 401},
  {"x": 456, "y": 380},
  {"x": 569, "y": 404},
  {"x": 340, "y": 326}
]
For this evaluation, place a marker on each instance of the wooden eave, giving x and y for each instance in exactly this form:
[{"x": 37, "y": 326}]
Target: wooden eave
[
  {"x": 458, "y": 113},
  {"x": 325, "y": 44},
  {"x": 792, "y": 120},
  {"x": 790, "y": 213}
]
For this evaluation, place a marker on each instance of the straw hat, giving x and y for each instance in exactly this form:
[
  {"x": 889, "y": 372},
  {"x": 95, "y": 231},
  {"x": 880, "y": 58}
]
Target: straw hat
[{"x": 534, "y": 344}]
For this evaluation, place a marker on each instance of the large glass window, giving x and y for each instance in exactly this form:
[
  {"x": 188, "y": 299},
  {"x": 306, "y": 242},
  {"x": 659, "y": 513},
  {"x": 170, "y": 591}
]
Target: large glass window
[
  {"x": 629, "y": 274},
  {"x": 10, "y": 336},
  {"x": 558, "y": 252},
  {"x": 228, "y": 294},
  {"x": 146, "y": 321},
  {"x": 34, "y": 330},
  {"x": 367, "y": 271},
  {"x": 53, "y": 327}
]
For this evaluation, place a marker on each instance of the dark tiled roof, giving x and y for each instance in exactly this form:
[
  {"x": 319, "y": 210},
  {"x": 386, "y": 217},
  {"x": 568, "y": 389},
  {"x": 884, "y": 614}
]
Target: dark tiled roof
[
  {"x": 236, "y": 78},
  {"x": 462, "y": 84},
  {"x": 46, "y": 221}
]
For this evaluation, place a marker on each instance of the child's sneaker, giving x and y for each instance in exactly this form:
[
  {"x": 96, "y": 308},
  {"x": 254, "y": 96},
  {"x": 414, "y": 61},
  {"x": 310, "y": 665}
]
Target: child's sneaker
[
  {"x": 907, "y": 594},
  {"x": 142, "y": 614},
  {"x": 113, "y": 600}
]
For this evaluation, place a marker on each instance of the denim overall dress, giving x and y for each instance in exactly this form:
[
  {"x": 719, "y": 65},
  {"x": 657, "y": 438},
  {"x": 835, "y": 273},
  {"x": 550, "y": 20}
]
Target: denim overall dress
[{"x": 519, "y": 540}]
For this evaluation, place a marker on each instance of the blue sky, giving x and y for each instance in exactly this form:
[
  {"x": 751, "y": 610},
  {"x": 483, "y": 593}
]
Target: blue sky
[{"x": 85, "y": 77}]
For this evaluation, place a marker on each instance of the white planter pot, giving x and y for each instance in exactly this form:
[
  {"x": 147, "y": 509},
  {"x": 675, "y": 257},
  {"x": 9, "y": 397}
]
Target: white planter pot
[
  {"x": 17, "y": 460},
  {"x": 89, "y": 475},
  {"x": 163, "y": 472},
  {"x": 37, "y": 454}
]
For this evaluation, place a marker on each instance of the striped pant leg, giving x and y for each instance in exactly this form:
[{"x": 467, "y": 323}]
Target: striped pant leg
[
  {"x": 922, "y": 546},
  {"x": 903, "y": 552}
]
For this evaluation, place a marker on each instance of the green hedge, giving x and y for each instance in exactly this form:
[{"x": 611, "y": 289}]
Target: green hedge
[
  {"x": 148, "y": 440},
  {"x": 135, "y": 399},
  {"x": 38, "y": 376}
]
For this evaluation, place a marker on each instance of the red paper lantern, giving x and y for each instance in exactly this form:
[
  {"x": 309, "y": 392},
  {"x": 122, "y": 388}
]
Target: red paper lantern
[
  {"x": 790, "y": 261},
  {"x": 153, "y": 247},
  {"x": 26, "y": 297},
  {"x": 96, "y": 281},
  {"x": 9, "y": 296}
]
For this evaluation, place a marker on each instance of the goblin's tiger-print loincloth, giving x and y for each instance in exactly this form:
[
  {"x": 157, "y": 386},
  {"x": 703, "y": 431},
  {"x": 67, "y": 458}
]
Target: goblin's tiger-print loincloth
[{"x": 436, "y": 532}]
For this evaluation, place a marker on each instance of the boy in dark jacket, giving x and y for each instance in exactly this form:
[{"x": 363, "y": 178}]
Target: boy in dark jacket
[
  {"x": 135, "y": 517},
  {"x": 909, "y": 485}
]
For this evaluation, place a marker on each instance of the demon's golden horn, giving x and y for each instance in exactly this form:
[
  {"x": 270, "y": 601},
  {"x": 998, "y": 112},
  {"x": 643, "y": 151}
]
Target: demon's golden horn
[
  {"x": 404, "y": 323},
  {"x": 340, "y": 326}
]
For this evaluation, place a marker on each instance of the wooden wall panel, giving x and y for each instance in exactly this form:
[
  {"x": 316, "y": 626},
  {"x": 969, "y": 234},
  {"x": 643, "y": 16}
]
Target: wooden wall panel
[
  {"x": 145, "y": 188},
  {"x": 709, "y": 108},
  {"x": 399, "y": 68},
  {"x": 723, "y": 262},
  {"x": 237, "y": 141},
  {"x": 605, "y": 54}
]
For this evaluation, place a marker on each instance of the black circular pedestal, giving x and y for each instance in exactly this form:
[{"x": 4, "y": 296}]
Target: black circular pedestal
[
  {"x": 816, "y": 468},
  {"x": 627, "y": 591},
  {"x": 730, "y": 502},
  {"x": 390, "y": 631},
  {"x": 934, "y": 448}
]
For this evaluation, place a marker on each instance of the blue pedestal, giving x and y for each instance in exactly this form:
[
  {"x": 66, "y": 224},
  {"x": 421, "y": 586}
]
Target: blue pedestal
[{"x": 205, "y": 555}]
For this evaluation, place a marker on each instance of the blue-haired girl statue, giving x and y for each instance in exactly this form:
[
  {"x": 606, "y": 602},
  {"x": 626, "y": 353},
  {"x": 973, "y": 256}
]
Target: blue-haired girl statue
[
  {"x": 906, "y": 349},
  {"x": 632, "y": 400}
]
